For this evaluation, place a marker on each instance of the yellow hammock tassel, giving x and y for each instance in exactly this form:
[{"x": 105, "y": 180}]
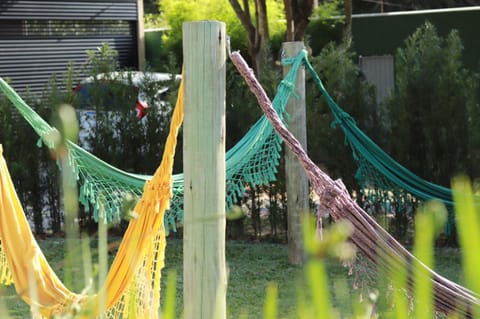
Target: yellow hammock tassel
[
  {"x": 5, "y": 273},
  {"x": 132, "y": 286}
]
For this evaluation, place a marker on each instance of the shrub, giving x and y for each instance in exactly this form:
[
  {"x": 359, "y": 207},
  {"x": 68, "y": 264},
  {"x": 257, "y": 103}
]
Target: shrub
[{"x": 433, "y": 107}]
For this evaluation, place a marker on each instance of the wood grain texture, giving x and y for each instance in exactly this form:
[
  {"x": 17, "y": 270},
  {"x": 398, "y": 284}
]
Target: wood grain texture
[
  {"x": 296, "y": 179},
  {"x": 204, "y": 170}
]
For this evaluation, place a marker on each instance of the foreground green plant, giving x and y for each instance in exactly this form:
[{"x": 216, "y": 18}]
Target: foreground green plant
[
  {"x": 397, "y": 295},
  {"x": 402, "y": 291}
]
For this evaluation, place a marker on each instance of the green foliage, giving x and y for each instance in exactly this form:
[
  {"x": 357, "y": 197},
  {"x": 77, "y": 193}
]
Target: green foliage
[
  {"x": 33, "y": 172},
  {"x": 430, "y": 220},
  {"x": 150, "y": 6},
  {"x": 102, "y": 60},
  {"x": 153, "y": 21},
  {"x": 432, "y": 107},
  {"x": 263, "y": 285},
  {"x": 242, "y": 111},
  {"x": 328, "y": 9},
  {"x": 176, "y": 12},
  {"x": 467, "y": 213},
  {"x": 241, "y": 107},
  {"x": 344, "y": 81},
  {"x": 117, "y": 136},
  {"x": 325, "y": 25}
]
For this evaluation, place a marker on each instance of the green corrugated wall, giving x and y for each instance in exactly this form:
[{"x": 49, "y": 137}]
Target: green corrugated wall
[
  {"x": 383, "y": 33},
  {"x": 379, "y": 34},
  {"x": 153, "y": 49}
]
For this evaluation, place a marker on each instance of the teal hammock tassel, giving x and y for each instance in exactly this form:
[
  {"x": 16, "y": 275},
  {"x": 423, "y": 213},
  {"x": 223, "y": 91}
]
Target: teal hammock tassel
[{"x": 253, "y": 160}]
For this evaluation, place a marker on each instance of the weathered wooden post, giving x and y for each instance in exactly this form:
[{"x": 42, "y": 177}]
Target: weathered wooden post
[
  {"x": 296, "y": 179},
  {"x": 205, "y": 280}
]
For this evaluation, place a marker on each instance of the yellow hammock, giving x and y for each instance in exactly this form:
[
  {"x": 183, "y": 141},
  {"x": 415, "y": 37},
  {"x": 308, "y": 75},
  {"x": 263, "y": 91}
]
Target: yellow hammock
[{"x": 132, "y": 286}]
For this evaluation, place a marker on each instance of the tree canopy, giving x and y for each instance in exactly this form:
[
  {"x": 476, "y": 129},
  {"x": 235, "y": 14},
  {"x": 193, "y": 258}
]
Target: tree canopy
[
  {"x": 432, "y": 107},
  {"x": 176, "y": 12}
]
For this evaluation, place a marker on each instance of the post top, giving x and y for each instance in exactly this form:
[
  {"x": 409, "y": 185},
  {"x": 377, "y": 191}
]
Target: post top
[{"x": 204, "y": 22}]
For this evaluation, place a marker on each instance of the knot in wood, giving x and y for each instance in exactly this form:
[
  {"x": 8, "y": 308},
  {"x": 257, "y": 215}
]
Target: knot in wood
[{"x": 331, "y": 192}]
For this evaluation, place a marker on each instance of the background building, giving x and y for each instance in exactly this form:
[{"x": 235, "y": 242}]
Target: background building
[{"x": 39, "y": 38}]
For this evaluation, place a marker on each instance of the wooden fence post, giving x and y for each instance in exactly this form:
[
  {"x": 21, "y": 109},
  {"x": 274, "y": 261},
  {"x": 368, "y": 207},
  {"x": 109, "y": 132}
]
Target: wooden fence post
[
  {"x": 296, "y": 179},
  {"x": 205, "y": 280}
]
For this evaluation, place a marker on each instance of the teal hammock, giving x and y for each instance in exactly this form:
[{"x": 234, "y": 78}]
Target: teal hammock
[
  {"x": 380, "y": 177},
  {"x": 103, "y": 187},
  {"x": 253, "y": 160}
]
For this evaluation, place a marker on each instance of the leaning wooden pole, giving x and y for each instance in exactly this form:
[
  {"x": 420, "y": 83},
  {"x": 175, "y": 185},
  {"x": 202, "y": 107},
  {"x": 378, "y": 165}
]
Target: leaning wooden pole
[
  {"x": 296, "y": 179},
  {"x": 375, "y": 242},
  {"x": 205, "y": 279}
]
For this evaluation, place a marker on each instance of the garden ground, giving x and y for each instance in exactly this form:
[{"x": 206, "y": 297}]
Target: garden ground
[{"x": 251, "y": 266}]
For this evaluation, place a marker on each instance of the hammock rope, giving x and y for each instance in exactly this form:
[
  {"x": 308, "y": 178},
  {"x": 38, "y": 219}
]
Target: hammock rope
[
  {"x": 132, "y": 286},
  {"x": 376, "y": 243},
  {"x": 253, "y": 160},
  {"x": 367, "y": 152},
  {"x": 380, "y": 177}
]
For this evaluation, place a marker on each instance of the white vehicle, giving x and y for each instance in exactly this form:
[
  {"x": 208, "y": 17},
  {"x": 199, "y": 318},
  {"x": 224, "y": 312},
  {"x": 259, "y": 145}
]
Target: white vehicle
[
  {"x": 136, "y": 79},
  {"x": 105, "y": 82}
]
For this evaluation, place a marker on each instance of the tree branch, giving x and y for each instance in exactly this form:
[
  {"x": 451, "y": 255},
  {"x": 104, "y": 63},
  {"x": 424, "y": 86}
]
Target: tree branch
[
  {"x": 289, "y": 17},
  {"x": 302, "y": 10},
  {"x": 244, "y": 16}
]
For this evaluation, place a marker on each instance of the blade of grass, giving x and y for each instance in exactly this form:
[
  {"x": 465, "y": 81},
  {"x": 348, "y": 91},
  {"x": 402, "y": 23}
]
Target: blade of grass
[
  {"x": 317, "y": 277},
  {"x": 3, "y": 307},
  {"x": 270, "y": 308},
  {"x": 87, "y": 264},
  {"x": 302, "y": 308},
  {"x": 429, "y": 219},
  {"x": 102, "y": 263},
  {"x": 170, "y": 295},
  {"x": 399, "y": 276},
  {"x": 469, "y": 237},
  {"x": 33, "y": 295}
]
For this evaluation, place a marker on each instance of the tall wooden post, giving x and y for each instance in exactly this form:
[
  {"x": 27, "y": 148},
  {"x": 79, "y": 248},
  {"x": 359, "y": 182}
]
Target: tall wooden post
[
  {"x": 205, "y": 280},
  {"x": 296, "y": 179}
]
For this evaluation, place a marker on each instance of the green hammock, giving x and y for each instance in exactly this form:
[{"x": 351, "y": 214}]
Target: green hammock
[
  {"x": 378, "y": 246},
  {"x": 379, "y": 175},
  {"x": 253, "y": 160}
]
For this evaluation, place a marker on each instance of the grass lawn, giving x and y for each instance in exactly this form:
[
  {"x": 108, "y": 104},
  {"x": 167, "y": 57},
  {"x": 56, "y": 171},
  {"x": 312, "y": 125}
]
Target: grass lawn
[{"x": 251, "y": 266}]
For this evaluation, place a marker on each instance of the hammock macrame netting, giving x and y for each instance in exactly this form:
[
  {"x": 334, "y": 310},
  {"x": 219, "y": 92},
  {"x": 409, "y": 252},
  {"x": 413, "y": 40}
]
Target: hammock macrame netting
[
  {"x": 253, "y": 160},
  {"x": 132, "y": 286},
  {"x": 372, "y": 240},
  {"x": 381, "y": 178}
]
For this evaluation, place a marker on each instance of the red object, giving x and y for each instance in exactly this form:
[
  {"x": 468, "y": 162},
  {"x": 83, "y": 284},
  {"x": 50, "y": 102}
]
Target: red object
[{"x": 140, "y": 108}]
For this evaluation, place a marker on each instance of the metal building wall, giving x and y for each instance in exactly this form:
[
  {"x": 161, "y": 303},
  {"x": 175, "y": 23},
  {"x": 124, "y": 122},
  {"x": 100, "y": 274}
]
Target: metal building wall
[
  {"x": 379, "y": 70},
  {"x": 384, "y": 33},
  {"x": 39, "y": 38}
]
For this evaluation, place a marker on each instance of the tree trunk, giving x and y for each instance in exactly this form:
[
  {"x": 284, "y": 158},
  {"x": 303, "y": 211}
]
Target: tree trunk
[
  {"x": 289, "y": 17},
  {"x": 264, "y": 35},
  {"x": 297, "y": 13},
  {"x": 347, "y": 29},
  {"x": 258, "y": 37}
]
